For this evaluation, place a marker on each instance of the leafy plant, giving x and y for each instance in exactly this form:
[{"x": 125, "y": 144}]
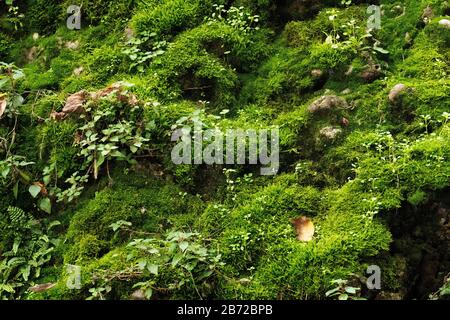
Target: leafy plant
[
  {"x": 142, "y": 49},
  {"x": 178, "y": 262},
  {"x": 343, "y": 291},
  {"x": 10, "y": 100},
  {"x": 349, "y": 35},
  {"x": 237, "y": 17},
  {"x": 30, "y": 250},
  {"x": 104, "y": 139}
]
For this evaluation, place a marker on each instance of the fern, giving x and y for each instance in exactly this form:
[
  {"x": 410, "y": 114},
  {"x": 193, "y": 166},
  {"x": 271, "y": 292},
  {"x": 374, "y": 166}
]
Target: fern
[{"x": 18, "y": 217}]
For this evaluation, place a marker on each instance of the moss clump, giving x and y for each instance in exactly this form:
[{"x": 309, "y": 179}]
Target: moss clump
[
  {"x": 86, "y": 248},
  {"x": 43, "y": 16},
  {"x": 145, "y": 202},
  {"x": 170, "y": 17}
]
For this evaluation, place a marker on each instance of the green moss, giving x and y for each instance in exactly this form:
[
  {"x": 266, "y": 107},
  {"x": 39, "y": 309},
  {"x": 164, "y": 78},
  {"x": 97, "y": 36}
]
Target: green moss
[
  {"x": 171, "y": 16},
  {"x": 88, "y": 247},
  {"x": 261, "y": 233},
  {"x": 56, "y": 145},
  {"x": 43, "y": 16},
  {"x": 5, "y": 46},
  {"x": 146, "y": 203}
]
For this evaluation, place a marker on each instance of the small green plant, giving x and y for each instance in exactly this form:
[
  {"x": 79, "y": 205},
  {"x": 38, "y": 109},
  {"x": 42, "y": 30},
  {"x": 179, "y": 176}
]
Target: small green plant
[
  {"x": 178, "y": 262},
  {"x": 99, "y": 293},
  {"x": 31, "y": 249},
  {"x": 343, "y": 291},
  {"x": 444, "y": 291},
  {"x": 142, "y": 49},
  {"x": 10, "y": 99},
  {"x": 349, "y": 35},
  {"x": 77, "y": 183},
  {"x": 14, "y": 17},
  {"x": 237, "y": 17}
]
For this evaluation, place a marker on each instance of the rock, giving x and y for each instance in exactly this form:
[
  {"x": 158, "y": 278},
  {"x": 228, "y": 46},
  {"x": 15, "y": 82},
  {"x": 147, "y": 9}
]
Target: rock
[
  {"x": 394, "y": 94},
  {"x": 445, "y": 23},
  {"x": 129, "y": 33},
  {"x": 31, "y": 54},
  {"x": 317, "y": 73},
  {"x": 78, "y": 71},
  {"x": 74, "y": 104},
  {"x": 73, "y": 45},
  {"x": 42, "y": 287},
  {"x": 326, "y": 103},
  {"x": 57, "y": 116},
  {"x": 427, "y": 14},
  {"x": 346, "y": 91},
  {"x": 330, "y": 133},
  {"x": 138, "y": 295},
  {"x": 390, "y": 296},
  {"x": 371, "y": 73}
]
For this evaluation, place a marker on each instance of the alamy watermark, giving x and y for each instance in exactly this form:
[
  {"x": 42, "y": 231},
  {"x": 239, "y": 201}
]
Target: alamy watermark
[
  {"x": 374, "y": 280},
  {"x": 233, "y": 146},
  {"x": 74, "y": 19},
  {"x": 374, "y": 21},
  {"x": 74, "y": 277}
]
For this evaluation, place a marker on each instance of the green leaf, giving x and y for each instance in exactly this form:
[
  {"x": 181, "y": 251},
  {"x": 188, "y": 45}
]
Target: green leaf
[
  {"x": 47, "y": 179},
  {"x": 142, "y": 263},
  {"x": 5, "y": 172},
  {"x": 350, "y": 290},
  {"x": 25, "y": 272},
  {"x": 153, "y": 269},
  {"x": 343, "y": 296},
  {"x": 16, "y": 189},
  {"x": 4, "y": 82},
  {"x": 184, "y": 245},
  {"x": 148, "y": 293},
  {"x": 45, "y": 205},
  {"x": 330, "y": 292},
  {"x": 7, "y": 288},
  {"x": 34, "y": 190},
  {"x": 176, "y": 259},
  {"x": 17, "y": 101},
  {"x": 53, "y": 224},
  {"x": 381, "y": 50},
  {"x": 133, "y": 149}
]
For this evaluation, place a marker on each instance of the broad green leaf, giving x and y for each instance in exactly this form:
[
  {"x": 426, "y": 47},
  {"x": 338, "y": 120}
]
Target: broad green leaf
[
  {"x": 330, "y": 292},
  {"x": 16, "y": 189},
  {"x": 343, "y": 296},
  {"x": 153, "y": 269},
  {"x": 176, "y": 259},
  {"x": 184, "y": 245},
  {"x": 350, "y": 290},
  {"x": 45, "y": 205},
  {"x": 34, "y": 190},
  {"x": 148, "y": 293}
]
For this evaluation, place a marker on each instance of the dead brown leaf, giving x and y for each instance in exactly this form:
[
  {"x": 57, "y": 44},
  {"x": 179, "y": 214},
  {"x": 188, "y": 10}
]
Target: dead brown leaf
[
  {"x": 133, "y": 100},
  {"x": 74, "y": 103},
  {"x": 42, "y": 287},
  {"x": 304, "y": 228},
  {"x": 58, "y": 116},
  {"x": 2, "y": 105}
]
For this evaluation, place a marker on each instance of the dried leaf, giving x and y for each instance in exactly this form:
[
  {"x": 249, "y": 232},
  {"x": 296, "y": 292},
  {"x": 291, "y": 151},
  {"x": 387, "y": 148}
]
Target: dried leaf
[
  {"x": 304, "y": 228},
  {"x": 42, "y": 287},
  {"x": 2, "y": 105},
  {"x": 57, "y": 116},
  {"x": 74, "y": 103}
]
